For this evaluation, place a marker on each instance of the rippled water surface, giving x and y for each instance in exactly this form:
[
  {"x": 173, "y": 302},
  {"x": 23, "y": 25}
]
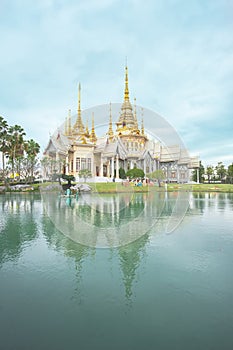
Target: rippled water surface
[{"x": 167, "y": 289}]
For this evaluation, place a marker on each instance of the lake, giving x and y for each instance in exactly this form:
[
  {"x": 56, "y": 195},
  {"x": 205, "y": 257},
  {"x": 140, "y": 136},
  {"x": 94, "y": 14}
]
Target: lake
[{"x": 129, "y": 271}]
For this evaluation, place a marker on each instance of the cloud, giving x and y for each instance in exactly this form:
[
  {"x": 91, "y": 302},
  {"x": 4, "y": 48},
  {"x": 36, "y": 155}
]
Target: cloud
[{"x": 180, "y": 58}]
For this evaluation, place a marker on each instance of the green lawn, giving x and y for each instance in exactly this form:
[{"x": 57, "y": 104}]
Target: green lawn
[
  {"x": 201, "y": 187},
  {"x": 116, "y": 187}
]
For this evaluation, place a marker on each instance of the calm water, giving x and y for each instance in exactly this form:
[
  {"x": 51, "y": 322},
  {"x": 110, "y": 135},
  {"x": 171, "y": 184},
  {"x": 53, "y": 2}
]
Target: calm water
[{"x": 167, "y": 289}]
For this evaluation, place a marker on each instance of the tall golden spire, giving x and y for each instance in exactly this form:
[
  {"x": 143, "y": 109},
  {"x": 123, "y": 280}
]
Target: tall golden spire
[
  {"x": 87, "y": 130},
  {"x": 78, "y": 126},
  {"x": 69, "y": 123},
  {"x": 66, "y": 127},
  {"x": 142, "y": 124},
  {"x": 126, "y": 95},
  {"x": 110, "y": 130},
  {"x": 67, "y": 130},
  {"x": 79, "y": 99},
  {"x": 93, "y": 137},
  {"x": 135, "y": 114}
]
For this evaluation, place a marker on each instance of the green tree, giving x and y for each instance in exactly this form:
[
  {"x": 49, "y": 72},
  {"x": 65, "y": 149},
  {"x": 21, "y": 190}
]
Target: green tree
[
  {"x": 134, "y": 173},
  {"x": 32, "y": 149},
  {"x": 69, "y": 179},
  {"x": 85, "y": 173},
  {"x": 122, "y": 174},
  {"x": 230, "y": 174},
  {"x": 201, "y": 173},
  {"x": 157, "y": 175},
  {"x": 3, "y": 142},
  {"x": 209, "y": 172},
  {"x": 221, "y": 171},
  {"x": 16, "y": 147}
]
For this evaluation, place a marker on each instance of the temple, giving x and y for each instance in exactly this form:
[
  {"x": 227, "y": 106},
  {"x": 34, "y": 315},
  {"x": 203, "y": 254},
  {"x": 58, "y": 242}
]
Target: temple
[{"x": 75, "y": 147}]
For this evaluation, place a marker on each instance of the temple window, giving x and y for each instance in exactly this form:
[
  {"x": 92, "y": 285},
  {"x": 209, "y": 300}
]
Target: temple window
[
  {"x": 77, "y": 164},
  {"x": 83, "y": 163},
  {"x": 89, "y": 164}
]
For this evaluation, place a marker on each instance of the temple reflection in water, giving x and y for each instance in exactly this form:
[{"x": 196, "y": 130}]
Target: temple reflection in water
[{"x": 23, "y": 222}]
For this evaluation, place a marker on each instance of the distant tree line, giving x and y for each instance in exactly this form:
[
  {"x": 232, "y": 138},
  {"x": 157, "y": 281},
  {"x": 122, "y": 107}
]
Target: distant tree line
[
  {"x": 19, "y": 156},
  {"x": 218, "y": 173}
]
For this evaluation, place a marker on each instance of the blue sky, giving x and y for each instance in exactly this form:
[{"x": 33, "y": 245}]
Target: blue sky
[{"x": 180, "y": 59}]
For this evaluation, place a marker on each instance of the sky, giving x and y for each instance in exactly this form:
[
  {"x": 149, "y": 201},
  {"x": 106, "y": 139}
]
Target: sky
[{"x": 179, "y": 57}]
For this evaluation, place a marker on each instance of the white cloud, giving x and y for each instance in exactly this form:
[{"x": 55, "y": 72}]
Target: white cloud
[{"x": 179, "y": 56}]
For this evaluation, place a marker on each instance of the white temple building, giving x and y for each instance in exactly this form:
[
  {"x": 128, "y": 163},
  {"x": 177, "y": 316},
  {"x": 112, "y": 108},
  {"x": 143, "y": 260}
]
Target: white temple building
[{"x": 76, "y": 148}]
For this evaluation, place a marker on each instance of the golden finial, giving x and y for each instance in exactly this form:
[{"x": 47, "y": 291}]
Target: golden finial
[
  {"x": 66, "y": 127},
  {"x": 69, "y": 122},
  {"x": 87, "y": 131},
  {"x": 78, "y": 126},
  {"x": 126, "y": 95},
  {"x": 110, "y": 130},
  {"x": 79, "y": 99},
  {"x": 93, "y": 137},
  {"x": 142, "y": 124},
  {"x": 135, "y": 114}
]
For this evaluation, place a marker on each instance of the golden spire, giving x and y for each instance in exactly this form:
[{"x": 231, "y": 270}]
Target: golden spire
[
  {"x": 126, "y": 95},
  {"x": 66, "y": 127},
  {"x": 79, "y": 99},
  {"x": 67, "y": 130},
  {"x": 87, "y": 131},
  {"x": 78, "y": 126},
  {"x": 135, "y": 114},
  {"x": 110, "y": 130},
  {"x": 142, "y": 124},
  {"x": 69, "y": 123},
  {"x": 93, "y": 137}
]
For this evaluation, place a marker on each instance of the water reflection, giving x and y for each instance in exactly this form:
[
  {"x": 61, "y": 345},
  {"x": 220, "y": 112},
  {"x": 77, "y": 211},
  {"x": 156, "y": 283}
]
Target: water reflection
[
  {"x": 18, "y": 224},
  {"x": 107, "y": 221},
  {"x": 130, "y": 258},
  {"x": 181, "y": 274},
  {"x": 21, "y": 220}
]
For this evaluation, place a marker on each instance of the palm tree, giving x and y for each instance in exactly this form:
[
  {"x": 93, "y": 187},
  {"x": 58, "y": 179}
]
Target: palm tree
[
  {"x": 32, "y": 149},
  {"x": 16, "y": 147},
  {"x": 3, "y": 142}
]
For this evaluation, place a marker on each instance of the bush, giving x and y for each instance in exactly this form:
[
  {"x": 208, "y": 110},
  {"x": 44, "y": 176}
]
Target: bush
[{"x": 134, "y": 173}]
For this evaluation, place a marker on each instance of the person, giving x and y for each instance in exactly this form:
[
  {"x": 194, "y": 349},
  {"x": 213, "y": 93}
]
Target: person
[
  {"x": 113, "y": 179},
  {"x": 68, "y": 192}
]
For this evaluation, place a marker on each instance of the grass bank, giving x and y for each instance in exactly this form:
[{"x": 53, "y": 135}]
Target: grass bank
[
  {"x": 118, "y": 187},
  {"x": 115, "y": 187},
  {"x": 200, "y": 187}
]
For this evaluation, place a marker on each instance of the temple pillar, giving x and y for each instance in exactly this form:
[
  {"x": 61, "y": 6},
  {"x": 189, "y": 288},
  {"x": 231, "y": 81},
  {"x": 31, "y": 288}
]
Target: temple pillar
[
  {"x": 74, "y": 164},
  {"x": 108, "y": 168},
  {"x": 67, "y": 165},
  {"x": 92, "y": 167},
  {"x": 101, "y": 167},
  {"x": 117, "y": 166},
  {"x": 198, "y": 176},
  {"x": 178, "y": 174},
  {"x": 112, "y": 172}
]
